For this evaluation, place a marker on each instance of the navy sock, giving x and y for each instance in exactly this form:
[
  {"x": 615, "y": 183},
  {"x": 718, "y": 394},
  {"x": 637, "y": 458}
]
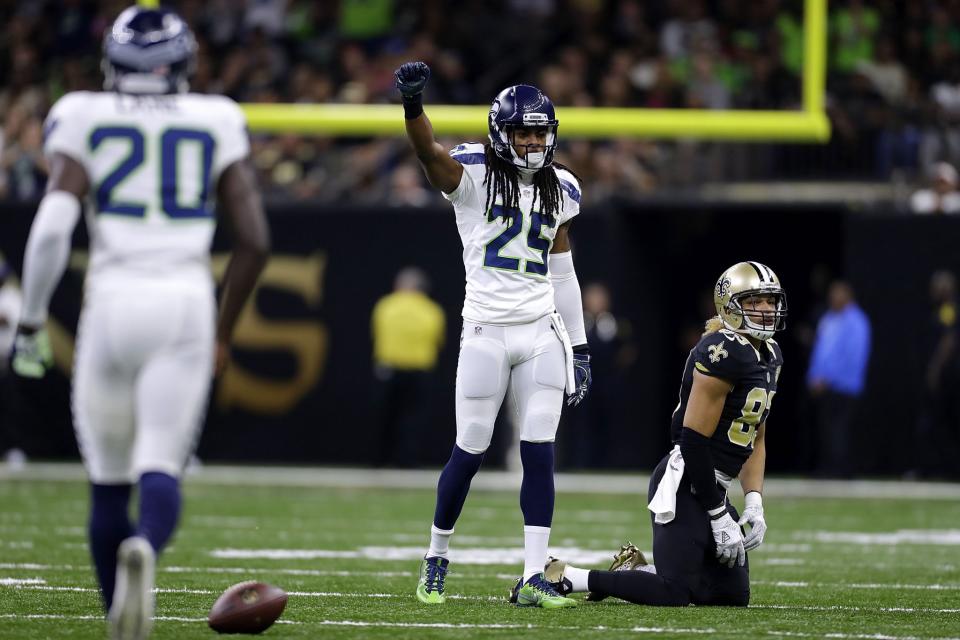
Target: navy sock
[
  {"x": 159, "y": 508},
  {"x": 109, "y": 526},
  {"x": 454, "y": 485},
  {"x": 536, "y": 490}
]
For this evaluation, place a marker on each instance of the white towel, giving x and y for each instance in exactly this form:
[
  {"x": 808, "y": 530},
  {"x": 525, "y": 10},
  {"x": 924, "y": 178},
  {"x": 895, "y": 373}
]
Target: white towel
[
  {"x": 664, "y": 503},
  {"x": 561, "y": 330}
]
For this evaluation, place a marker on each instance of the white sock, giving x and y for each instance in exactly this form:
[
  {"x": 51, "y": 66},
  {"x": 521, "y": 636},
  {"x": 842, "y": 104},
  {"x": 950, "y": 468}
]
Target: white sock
[
  {"x": 535, "y": 541},
  {"x": 439, "y": 542},
  {"x": 649, "y": 568},
  {"x": 577, "y": 578}
]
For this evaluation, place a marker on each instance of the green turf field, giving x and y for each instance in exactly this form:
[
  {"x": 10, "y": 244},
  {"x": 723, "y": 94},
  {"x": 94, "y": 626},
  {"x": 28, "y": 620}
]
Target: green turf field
[{"x": 876, "y": 567}]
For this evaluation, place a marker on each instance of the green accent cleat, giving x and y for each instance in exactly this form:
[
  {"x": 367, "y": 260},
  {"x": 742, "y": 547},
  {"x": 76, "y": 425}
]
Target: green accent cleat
[
  {"x": 537, "y": 592},
  {"x": 628, "y": 559},
  {"x": 433, "y": 571}
]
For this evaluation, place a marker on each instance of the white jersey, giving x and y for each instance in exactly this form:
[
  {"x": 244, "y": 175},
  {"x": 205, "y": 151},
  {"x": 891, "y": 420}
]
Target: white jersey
[
  {"x": 506, "y": 265},
  {"x": 153, "y": 163}
]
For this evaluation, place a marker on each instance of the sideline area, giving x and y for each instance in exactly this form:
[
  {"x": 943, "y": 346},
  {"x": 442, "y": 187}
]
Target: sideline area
[{"x": 494, "y": 480}]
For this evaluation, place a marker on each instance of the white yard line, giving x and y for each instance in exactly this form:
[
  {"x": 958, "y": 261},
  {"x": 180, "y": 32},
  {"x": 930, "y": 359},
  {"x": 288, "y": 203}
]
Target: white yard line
[
  {"x": 29, "y": 566},
  {"x": 939, "y": 537},
  {"x": 502, "y": 626},
  {"x": 855, "y": 585},
  {"x": 854, "y": 636},
  {"x": 802, "y": 607},
  {"x": 626, "y": 483},
  {"x": 343, "y": 594},
  {"x": 16, "y": 582}
]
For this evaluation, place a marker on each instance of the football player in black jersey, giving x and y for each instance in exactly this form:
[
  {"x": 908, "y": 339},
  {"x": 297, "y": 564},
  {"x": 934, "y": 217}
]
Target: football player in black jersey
[{"x": 717, "y": 430}]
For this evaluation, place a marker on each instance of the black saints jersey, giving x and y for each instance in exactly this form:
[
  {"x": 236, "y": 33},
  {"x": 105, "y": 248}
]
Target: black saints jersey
[{"x": 753, "y": 374}]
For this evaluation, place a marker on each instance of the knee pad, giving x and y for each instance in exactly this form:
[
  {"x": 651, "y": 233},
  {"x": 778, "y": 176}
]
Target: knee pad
[
  {"x": 540, "y": 424},
  {"x": 474, "y": 437},
  {"x": 738, "y": 599}
]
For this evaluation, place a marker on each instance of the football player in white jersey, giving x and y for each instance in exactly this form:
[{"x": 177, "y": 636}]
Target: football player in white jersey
[
  {"x": 150, "y": 159},
  {"x": 522, "y": 316}
]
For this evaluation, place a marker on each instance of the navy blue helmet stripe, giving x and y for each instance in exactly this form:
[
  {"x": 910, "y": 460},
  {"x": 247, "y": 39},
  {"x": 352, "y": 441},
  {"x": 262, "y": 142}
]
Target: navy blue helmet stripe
[
  {"x": 470, "y": 158},
  {"x": 571, "y": 190}
]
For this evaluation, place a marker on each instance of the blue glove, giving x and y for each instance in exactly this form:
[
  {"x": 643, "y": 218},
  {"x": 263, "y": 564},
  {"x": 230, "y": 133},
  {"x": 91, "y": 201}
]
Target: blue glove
[
  {"x": 581, "y": 371},
  {"x": 412, "y": 78}
]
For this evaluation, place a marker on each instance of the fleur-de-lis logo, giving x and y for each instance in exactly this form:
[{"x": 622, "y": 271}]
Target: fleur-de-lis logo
[
  {"x": 717, "y": 352},
  {"x": 723, "y": 286}
]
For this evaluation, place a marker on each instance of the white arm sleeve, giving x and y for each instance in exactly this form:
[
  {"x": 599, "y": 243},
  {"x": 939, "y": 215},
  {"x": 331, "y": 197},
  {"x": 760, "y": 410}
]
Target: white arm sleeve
[
  {"x": 566, "y": 295},
  {"x": 48, "y": 249}
]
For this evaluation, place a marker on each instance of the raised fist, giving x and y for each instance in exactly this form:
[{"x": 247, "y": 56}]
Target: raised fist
[{"x": 412, "y": 78}]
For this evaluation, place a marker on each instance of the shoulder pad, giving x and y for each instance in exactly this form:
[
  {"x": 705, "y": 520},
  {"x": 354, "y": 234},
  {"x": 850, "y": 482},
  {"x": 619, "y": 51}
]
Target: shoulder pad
[
  {"x": 569, "y": 184},
  {"x": 71, "y": 102},
  {"x": 725, "y": 354},
  {"x": 774, "y": 348},
  {"x": 468, "y": 153}
]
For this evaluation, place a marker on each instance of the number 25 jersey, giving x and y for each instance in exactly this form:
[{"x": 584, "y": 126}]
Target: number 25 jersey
[
  {"x": 153, "y": 163},
  {"x": 753, "y": 374},
  {"x": 506, "y": 263}
]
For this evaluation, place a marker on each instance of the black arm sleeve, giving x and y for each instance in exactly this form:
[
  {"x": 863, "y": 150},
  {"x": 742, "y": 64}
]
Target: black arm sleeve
[{"x": 698, "y": 466}]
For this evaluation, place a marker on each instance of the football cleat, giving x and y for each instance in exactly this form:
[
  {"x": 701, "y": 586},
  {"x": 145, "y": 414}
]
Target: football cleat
[
  {"x": 553, "y": 571},
  {"x": 433, "y": 571},
  {"x": 131, "y": 613},
  {"x": 628, "y": 559},
  {"x": 537, "y": 592},
  {"x": 514, "y": 593}
]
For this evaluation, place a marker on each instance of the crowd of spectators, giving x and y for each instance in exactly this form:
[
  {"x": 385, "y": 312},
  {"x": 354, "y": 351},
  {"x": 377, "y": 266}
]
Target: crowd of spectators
[{"x": 893, "y": 81}]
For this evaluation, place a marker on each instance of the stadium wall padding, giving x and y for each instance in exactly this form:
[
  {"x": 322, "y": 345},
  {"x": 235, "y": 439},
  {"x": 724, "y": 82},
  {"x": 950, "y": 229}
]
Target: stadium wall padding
[{"x": 298, "y": 390}]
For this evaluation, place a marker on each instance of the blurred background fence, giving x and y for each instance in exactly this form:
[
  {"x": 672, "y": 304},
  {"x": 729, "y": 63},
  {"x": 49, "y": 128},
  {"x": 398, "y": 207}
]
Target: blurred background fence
[{"x": 300, "y": 386}]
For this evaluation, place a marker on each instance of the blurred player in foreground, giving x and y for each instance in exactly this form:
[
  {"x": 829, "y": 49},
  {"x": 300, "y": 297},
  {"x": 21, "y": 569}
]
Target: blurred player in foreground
[
  {"x": 718, "y": 433},
  {"x": 150, "y": 159},
  {"x": 522, "y": 317}
]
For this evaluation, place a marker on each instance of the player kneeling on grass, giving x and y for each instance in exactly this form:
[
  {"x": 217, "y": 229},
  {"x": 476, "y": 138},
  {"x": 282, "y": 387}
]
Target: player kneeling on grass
[
  {"x": 522, "y": 317},
  {"x": 150, "y": 157},
  {"x": 718, "y": 434}
]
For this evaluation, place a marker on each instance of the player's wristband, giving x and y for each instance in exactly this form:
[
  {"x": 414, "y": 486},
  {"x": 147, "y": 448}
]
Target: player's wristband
[
  {"x": 698, "y": 467},
  {"x": 412, "y": 106},
  {"x": 716, "y": 514}
]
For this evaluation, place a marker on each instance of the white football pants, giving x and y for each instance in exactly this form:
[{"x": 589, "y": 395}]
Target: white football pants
[
  {"x": 142, "y": 371},
  {"x": 526, "y": 358}
]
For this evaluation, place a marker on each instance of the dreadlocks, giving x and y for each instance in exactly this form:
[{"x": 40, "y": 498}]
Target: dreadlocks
[{"x": 502, "y": 179}]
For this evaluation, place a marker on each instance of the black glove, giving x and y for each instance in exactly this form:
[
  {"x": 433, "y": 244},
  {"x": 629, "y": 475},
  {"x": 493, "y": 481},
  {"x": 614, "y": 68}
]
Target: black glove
[
  {"x": 411, "y": 79},
  {"x": 581, "y": 371}
]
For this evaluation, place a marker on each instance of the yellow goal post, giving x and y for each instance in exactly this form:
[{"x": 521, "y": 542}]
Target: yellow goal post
[{"x": 809, "y": 124}]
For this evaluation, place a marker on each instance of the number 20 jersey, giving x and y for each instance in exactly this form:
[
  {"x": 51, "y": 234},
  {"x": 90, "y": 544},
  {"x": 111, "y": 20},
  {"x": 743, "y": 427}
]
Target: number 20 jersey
[
  {"x": 153, "y": 163},
  {"x": 753, "y": 374},
  {"x": 506, "y": 265}
]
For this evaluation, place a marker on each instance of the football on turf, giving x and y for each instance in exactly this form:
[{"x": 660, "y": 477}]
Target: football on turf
[{"x": 247, "y": 607}]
